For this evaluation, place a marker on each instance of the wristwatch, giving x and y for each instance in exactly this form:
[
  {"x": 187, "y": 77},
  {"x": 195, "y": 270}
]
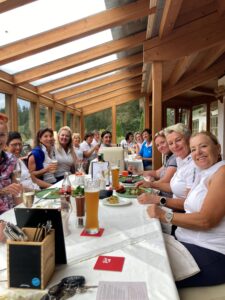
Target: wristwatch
[
  {"x": 169, "y": 216},
  {"x": 162, "y": 201}
]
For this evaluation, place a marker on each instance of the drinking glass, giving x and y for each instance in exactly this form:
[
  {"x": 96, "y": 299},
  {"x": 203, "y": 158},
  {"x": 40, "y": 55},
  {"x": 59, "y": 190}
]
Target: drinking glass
[
  {"x": 91, "y": 191},
  {"x": 115, "y": 169},
  {"x": 17, "y": 173}
]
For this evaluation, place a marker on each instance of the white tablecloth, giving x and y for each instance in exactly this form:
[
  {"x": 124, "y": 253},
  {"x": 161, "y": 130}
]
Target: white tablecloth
[{"x": 128, "y": 232}]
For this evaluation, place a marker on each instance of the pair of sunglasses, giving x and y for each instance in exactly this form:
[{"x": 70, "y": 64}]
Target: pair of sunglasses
[{"x": 66, "y": 288}]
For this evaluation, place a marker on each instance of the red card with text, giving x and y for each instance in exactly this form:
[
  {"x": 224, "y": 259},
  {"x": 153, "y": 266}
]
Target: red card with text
[
  {"x": 85, "y": 233},
  {"x": 109, "y": 263}
]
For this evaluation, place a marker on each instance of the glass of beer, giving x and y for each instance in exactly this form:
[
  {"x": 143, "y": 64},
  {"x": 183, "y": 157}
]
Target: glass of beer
[
  {"x": 91, "y": 192},
  {"x": 115, "y": 169}
]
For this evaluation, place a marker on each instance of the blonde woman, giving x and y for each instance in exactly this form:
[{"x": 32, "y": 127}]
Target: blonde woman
[
  {"x": 64, "y": 153},
  {"x": 76, "y": 144}
]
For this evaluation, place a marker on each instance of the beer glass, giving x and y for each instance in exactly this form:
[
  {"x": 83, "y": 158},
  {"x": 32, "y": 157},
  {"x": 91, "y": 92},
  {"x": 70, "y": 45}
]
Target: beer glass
[
  {"x": 115, "y": 169},
  {"x": 91, "y": 192}
]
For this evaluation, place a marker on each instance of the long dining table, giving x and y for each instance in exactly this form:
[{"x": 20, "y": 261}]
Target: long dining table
[{"x": 129, "y": 233}]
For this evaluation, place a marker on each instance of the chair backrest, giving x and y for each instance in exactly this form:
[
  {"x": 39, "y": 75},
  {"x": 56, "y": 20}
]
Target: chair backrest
[{"x": 113, "y": 154}]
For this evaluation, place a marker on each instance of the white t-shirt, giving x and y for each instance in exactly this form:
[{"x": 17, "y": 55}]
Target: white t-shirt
[
  {"x": 65, "y": 161},
  {"x": 26, "y": 180},
  {"x": 84, "y": 146},
  {"x": 47, "y": 177},
  {"x": 214, "y": 238},
  {"x": 184, "y": 177},
  {"x": 79, "y": 153}
]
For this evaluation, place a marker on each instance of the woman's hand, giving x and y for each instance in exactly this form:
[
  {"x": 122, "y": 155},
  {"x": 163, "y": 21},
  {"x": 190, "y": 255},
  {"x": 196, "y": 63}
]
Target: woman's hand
[
  {"x": 154, "y": 211},
  {"x": 51, "y": 168},
  {"x": 15, "y": 189},
  {"x": 147, "y": 198},
  {"x": 143, "y": 183}
]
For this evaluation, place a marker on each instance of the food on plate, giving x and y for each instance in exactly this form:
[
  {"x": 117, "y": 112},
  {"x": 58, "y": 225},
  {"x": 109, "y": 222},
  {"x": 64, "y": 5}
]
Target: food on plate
[
  {"x": 131, "y": 191},
  {"x": 113, "y": 200},
  {"x": 121, "y": 189}
]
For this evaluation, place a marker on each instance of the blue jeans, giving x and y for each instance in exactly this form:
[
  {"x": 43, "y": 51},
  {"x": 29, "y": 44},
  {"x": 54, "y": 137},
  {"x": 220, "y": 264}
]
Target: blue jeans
[{"x": 211, "y": 264}]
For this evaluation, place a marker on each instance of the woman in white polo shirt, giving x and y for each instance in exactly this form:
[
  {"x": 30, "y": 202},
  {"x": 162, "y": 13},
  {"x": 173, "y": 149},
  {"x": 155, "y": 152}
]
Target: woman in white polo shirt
[{"x": 177, "y": 137}]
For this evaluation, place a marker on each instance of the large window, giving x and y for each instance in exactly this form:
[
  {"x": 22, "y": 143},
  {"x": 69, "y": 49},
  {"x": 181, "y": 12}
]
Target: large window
[
  {"x": 26, "y": 124},
  {"x": 129, "y": 117},
  {"x": 58, "y": 120},
  {"x": 77, "y": 124},
  {"x": 198, "y": 118},
  {"x": 101, "y": 120},
  {"x": 214, "y": 117},
  {"x": 170, "y": 116},
  {"x": 69, "y": 120},
  {"x": 45, "y": 117}
]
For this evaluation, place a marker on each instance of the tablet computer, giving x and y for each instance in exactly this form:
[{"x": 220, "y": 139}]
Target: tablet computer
[{"x": 31, "y": 217}]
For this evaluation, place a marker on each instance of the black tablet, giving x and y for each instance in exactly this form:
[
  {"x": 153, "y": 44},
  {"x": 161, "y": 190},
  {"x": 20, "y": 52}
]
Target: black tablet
[{"x": 31, "y": 217}]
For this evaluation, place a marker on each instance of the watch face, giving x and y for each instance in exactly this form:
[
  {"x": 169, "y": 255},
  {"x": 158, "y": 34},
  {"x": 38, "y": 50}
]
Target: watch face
[
  {"x": 169, "y": 216},
  {"x": 162, "y": 201}
]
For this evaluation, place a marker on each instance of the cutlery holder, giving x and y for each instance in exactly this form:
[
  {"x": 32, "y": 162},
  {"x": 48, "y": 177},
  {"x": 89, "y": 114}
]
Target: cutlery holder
[{"x": 31, "y": 264}]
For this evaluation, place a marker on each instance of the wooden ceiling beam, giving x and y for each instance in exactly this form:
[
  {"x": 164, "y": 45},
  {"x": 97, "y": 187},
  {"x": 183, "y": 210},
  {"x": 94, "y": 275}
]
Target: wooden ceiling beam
[
  {"x": 80, "y": 58},
  {"x": 75, "y": 30},
  {"x": 169, "y": 17},
  {"x": 6, "y": 5},
  {"x": 180, "y": 68},
  {"x": 106, "y": 89},
  {"x": 220, "y": 6},
  {"x": 185, "y": 40},
  {"x": 121, "y": 100},
  {"x": 210, "y": 56},
  {"x": 193, "y": 80},
  {"x": 103, "y": 98},
  {"x": 203, "y": 91},
  {"x": 90, "y": 73},
  {"x": 124, "y": 74}
]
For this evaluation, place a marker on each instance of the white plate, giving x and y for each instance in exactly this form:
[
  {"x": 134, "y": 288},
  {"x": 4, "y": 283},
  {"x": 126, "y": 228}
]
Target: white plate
[{"x": 121, "y": 202}]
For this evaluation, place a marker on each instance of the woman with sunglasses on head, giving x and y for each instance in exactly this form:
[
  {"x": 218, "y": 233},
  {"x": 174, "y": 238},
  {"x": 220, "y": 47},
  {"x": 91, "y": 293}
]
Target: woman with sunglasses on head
[
  {"x": 64, "y": 153},
  {"x": 177, "y": 137},
  {"x": 40, "y": 163},
  {"x": 138, "y": 141},
  {"x": 169, "y": 167},
  {"x": 14, "y": 146},
  {"x": 201, "y": 228}
]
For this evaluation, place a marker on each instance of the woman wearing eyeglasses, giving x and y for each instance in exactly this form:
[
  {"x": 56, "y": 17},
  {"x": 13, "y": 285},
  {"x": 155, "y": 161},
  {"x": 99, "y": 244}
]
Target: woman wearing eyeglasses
[{"x": 14, "y": 146}]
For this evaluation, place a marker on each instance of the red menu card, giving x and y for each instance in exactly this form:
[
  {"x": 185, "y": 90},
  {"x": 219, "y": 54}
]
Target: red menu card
[{"x": 109, "y": 263}]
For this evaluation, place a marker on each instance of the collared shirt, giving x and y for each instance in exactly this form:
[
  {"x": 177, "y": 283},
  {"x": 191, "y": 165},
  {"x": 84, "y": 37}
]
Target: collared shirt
[
  {"x": 184, "y": 177},
  {"x": 7, "y": 165},
  {"x": 146, "y": 152}
]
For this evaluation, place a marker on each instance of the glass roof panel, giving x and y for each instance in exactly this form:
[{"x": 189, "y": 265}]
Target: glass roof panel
[{"x": 43, "y": 15}]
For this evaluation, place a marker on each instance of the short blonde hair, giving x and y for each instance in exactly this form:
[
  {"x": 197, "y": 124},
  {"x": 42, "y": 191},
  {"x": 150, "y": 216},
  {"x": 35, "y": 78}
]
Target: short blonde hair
[
  {"x": 179, "y": 128},
  {"x": 76, "y": 135}
]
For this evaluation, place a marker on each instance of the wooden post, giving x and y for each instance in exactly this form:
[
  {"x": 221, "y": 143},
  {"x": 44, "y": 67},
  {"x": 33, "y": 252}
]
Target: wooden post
[
  {"x": 114, "y": 124},
  {"x": 147, "y": 123},
  {"x": 14, "y": 119},
  {"x": 82, "y": 126},
  {"x": 156, "y": 110}
]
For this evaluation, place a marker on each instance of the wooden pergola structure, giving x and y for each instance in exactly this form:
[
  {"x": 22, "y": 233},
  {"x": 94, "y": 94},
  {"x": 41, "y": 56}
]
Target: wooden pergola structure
[{"x": 169, "y": 52}]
